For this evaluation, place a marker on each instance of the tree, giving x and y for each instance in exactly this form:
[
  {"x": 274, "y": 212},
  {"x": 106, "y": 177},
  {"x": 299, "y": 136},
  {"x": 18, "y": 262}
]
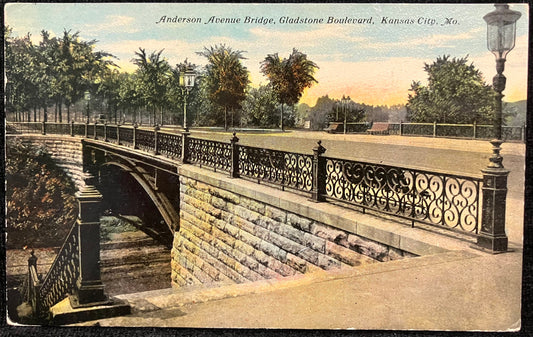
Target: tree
[
  {"x": 226, "y": 78},
  {"x": 456, "y": 93},
  {"x": 153, "y": 72},
  {"x": 259, "y": 105},
  {"x": 289, "y": 77}
]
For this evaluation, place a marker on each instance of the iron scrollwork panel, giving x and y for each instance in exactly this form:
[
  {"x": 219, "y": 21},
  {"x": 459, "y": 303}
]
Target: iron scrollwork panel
[
  {"x": 277, "y": 167},
  {"x": 210, "y": 153},
  {"x": 145, "y": 140},
  {"x": 438, "y": 199},
  {"x": 126, "y": 136},
  {"x": 90, "y": 130},
  {"x": 79, "y": 129},
  {"x": 100, "y": 133},
  {"x": 111, "y": 132},
  {"x": 169, "y": 144}
]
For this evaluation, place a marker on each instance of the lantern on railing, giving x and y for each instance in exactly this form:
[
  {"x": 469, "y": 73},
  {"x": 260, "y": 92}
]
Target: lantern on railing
[
  {"x": 186, "y": 79},
  {"x": 87, "y": 96}
]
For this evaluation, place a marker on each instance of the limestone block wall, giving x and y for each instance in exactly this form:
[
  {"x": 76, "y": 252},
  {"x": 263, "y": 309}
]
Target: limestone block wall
[
  {"x": 227, "y": 237},
  {"x": 66, "y": 152}
]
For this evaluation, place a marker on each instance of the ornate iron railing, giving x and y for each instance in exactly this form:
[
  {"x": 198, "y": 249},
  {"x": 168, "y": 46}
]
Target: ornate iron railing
[
  {"x": 100, "y": 131},
  {"x": 111, "y": 133},
  {"x": 169, "y": 144},
  {"x": 23, "y": 127},
  {"x": 126, "y": 135},
  {"x": 210, "y": 153},
  {"x": 144, "y": 140},
  {"x": 441, "y": 199},
  {"x": 445, "y": 200},
  {"x": 58, "y": 128},
  {"x": 287, "y": 169},
  {"x": 90, "y": 130},
  {"x": 61, "y": 279},
  {"x": 78, "y": 129}
]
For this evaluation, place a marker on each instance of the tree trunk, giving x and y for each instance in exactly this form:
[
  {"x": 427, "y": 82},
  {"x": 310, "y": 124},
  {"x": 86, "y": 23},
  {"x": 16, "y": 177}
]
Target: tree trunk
[
  {"x": 225, "y": 118},
  {"x": 60, "y": 109},
  {"x": 281, "y": 122},
  {"x": 68, "y": 111}
]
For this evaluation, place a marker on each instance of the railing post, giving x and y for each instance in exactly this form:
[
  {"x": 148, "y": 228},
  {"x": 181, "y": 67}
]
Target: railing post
[
  {"x": 523, "y": 133},
  {"x": 475, "y": 129},
  {"x": 185, "y": 147},
  {"x": 135, "y": 136},
  {"x": 89, "y": 289},
  {"x": 435, "y": 129},
  {"x": 319, "y": 173},
  {"x": 118, "y": 134},
  {"x": 234, "y": 170},
  {"x": 105, "y": 132},
  {"x": 34, "y": 289},
  {"x": 95, "y": 131},
  {"x": 492, "y": 234},
  {"x": 43, "y": 130},
  {"x": 72, "y": 128},
  {"x": 156, "y": 140},
  {"x": 401, "y": 128}
]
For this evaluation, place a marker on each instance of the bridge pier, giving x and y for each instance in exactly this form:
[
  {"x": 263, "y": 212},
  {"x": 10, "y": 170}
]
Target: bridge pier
[{"x": 89, "y": 287}]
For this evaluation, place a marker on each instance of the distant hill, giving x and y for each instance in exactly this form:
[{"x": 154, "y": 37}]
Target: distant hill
[{"x": 515, "y": 113}]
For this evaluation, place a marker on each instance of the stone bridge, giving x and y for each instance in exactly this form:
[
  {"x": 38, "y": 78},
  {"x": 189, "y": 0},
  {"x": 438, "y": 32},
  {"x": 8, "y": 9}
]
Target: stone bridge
[{"x": 203, "y": 198}]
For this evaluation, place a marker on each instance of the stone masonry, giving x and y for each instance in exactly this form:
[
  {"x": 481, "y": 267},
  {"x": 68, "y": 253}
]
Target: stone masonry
[
  {"x": 66, "y": 152},
  {"x": 227, "y": 237}
]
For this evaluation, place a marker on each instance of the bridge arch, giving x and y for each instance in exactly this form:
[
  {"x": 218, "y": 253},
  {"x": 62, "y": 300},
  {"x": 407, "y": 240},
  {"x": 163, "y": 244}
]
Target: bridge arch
[{"x": 134, "y": 188}]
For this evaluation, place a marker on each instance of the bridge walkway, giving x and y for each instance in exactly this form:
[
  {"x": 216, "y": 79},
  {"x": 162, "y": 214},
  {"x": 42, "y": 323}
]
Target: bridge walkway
[{"x": 458, "y": 290}]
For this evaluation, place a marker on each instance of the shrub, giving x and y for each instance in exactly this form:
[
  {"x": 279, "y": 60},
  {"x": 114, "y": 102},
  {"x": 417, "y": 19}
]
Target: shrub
[{"x": 40, "y": 202}]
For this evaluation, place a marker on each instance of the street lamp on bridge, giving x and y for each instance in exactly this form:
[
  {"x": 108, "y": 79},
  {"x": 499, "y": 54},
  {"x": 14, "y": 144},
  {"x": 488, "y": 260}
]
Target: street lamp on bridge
[
  {"x": 501, "y": 34},
  {"x": 187, "y": 78},
  {"x": 87, "y": 96},
  {"x": 345, "y": 101}
]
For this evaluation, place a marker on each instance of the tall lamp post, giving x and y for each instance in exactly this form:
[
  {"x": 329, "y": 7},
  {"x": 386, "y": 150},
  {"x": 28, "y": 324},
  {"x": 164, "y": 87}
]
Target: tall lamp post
[
  {"x": 345, "y": 101},
  {"x": 501, "y": 34},
  {"x": 87, "y": 95},
  {"x": 187, "y": 78}
]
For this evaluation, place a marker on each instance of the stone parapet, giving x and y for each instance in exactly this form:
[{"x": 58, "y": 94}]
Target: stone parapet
[{"x": 229, "y": 232}]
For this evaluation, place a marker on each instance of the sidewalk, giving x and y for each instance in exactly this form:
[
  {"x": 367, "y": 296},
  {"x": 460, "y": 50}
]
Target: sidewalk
[{"x": 458, "y": 290}]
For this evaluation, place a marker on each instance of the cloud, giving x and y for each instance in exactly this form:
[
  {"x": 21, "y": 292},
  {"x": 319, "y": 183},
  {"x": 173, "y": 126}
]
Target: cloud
[
  {"x": 112, "y": 23},
  {"x": 432, "y": 41}
]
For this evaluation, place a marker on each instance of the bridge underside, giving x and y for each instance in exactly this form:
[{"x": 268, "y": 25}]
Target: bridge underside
[{"x": 136, "y": 187}]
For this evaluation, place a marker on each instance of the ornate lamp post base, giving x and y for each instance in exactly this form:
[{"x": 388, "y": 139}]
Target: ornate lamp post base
[{"x": 492, "y": 235}]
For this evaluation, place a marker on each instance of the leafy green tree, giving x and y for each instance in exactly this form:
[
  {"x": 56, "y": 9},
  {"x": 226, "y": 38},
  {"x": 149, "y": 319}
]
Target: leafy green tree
[
  {"x": 154, "y": 72},
  {"x": 20, "y": 88},
  {"x": 259, "y": 107},
  {"x": 176, "y": 94},
  {"x": 456, "y": 93},
  {"x": 289, "y": 77},
  {"x": 40, "y": 202},
  {"x": 226, "y": 78}
]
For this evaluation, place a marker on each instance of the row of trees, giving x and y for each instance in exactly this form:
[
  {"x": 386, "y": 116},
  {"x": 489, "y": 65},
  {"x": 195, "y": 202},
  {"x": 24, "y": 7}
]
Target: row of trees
[
  {"x": 57, "y": 71},
  {"x": 60, "y": 71}
]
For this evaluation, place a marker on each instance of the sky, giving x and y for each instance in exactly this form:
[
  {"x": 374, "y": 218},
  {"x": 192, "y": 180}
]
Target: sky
[{"x": 370, "y": 52}]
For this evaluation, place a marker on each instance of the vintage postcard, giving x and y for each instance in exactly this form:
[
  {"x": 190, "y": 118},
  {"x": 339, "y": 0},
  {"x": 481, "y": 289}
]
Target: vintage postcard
[{"x": 283, "y": 166}]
